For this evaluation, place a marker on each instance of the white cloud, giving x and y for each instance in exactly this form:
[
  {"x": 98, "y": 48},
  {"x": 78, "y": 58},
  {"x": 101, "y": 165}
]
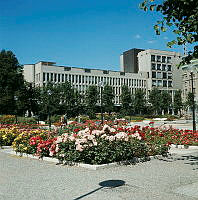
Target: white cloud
[
  {"x": 151, "y": 41},
  {"x": 137, "y": 36},
  {"x": 165, "y": 38}
]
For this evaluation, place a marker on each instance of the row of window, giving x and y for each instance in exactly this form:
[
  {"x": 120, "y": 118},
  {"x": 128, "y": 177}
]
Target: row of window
[
  {"x": 116, "y": 90},
  {"x": 80, "y": 79},
  {"x": 161, "y": 75},
  {"x": 162, "y": 59},
  {"x": 160, "y": 83},
  {"x": 161, "y": 67}
]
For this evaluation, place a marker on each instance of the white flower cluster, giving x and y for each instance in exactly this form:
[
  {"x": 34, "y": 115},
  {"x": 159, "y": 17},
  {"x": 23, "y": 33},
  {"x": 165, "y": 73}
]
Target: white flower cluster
[{"x": 87, "y": 138}]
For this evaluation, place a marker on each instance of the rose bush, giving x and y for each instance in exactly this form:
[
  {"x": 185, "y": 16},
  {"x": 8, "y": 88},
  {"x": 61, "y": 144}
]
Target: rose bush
[{"x": 93, "y": 143}]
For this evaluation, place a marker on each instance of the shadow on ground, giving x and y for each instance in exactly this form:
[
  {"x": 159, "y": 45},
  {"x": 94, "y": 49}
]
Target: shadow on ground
[{"x": 104, "y": 184}]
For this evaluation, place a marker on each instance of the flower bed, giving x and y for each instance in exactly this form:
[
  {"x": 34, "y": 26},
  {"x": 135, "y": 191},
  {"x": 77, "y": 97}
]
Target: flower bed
[{"x": 93, "y": 143}]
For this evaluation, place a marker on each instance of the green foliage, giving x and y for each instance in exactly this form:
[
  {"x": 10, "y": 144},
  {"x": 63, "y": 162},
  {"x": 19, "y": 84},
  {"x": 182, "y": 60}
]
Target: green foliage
[
  {"x": 139, "y": 101},
  {"x": 182, "y": 17},
  {"x": 165, "y": 101},
  {"x": 104, "y": 152},
  {"x": 91, "y": 99},
  {"x": 126, "y": 100},
  {"x": 108, "y": 99},
  {"x": 11, "y": 80},
  {"x": 155, "y": 100},
  {"x": 27, "y": 99},
  {"x": 177, "y": 101}
]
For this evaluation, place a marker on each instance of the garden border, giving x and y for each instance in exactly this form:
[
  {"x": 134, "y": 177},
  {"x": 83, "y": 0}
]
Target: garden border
[{"x": 9, "y": 150}]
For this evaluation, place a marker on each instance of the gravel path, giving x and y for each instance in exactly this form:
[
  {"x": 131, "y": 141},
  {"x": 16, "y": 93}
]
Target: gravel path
[{"x": 174, "y": 178}]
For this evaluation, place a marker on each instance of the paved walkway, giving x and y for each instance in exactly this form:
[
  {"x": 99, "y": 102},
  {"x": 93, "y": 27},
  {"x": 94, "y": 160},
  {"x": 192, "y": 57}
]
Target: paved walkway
[{"x": 174, "y": 178}]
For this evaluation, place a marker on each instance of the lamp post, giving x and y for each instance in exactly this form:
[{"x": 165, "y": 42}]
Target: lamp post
[
  {"x": 193, "y": 102},
  {"x": 101, "y": 102},
  {"x": 16, "y": 99},
  {"x": 193, "y": 66},
  {"x": 49, "y": 113}
]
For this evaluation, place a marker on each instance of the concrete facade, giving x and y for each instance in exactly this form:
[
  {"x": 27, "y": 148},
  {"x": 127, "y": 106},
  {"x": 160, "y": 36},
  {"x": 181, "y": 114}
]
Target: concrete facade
[
  {"x": 81, "y": 78},
  {"x": 129, "y": 61},
  {"x": 155, "y": 69},
  {"x": 161, "y": 69}
]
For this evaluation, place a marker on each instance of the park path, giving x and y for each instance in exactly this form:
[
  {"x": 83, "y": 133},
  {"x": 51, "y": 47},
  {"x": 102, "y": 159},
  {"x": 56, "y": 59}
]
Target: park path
[{"x": 174, "y": 178}]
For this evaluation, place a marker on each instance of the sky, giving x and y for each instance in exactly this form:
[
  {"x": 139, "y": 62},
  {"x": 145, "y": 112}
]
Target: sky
[{"x": 78, "y": 33}]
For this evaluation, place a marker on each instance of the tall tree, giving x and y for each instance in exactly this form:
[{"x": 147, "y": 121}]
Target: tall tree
[
  {"x": 49, "y": 101},
  {"x": 139, "y": 101},
  {"x": 155, "y": 100},
  {"x": 11, "y": 80},
  {"x": 182, "y": 17},
  {"x": 27, "y": 99},
  {"x": 177, "y": 102},
  {"x": 108, "y": 98},
  {"x": 126, "y": 100},
  {"x": 91, "y": 99},
  {"x": 70, "y": 100},
  {"x": 166, "y": 101}
]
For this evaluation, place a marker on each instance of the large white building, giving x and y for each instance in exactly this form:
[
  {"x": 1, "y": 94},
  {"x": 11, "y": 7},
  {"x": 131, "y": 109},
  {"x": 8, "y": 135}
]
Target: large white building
[
  {"x": 155, "y": 68},
  {"x": 81, "y": 78}
]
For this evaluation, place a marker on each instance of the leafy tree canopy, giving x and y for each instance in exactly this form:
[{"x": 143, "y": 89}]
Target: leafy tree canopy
[
  {"x": 107, "y": 98},
  {"x": 11, "y": 80},
  {"x": 181, "y": 16}
]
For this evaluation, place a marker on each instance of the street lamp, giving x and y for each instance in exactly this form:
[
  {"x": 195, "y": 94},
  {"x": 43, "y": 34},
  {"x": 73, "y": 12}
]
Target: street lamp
[
  {"x": 49, "y": 92},
  {"x": 16, "y": 99},
  {"x": 192, "y": 67},
  {"x": 101, "y": 102}
]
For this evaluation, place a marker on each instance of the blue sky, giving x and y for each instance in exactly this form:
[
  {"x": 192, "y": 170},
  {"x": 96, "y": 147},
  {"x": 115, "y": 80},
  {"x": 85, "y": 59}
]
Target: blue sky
[{"x": 81, "y": 33}]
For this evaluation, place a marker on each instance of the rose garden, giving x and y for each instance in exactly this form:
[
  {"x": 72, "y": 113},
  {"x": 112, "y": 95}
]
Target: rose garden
[{"x": 92, "y": 142}]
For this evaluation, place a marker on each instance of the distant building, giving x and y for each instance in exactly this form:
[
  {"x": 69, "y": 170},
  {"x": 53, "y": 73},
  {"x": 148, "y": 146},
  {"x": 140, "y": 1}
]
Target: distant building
[
  {"x": 145, "y": 70},
  {"x": 81, "y": 78},
  {"x": 129, "y": 61}
]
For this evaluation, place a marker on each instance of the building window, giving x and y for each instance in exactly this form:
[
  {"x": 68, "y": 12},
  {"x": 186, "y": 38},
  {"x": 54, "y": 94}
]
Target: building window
[
  {"x": 158, "y": 58},
  {"x": 163, "y": 59},
  {"x": 159, "y": 83},
  {"x": 158, "y": 66},
  {"x": 55, "y": 77},
  {"x": 47, "y": 76},
  {"x": 122, "y": 73},
  {"x": 164, "y": 83},
  {"x": 153, "y": 74},
  {"x": 152, "y": 58},
  {"x": 65, "y": 77},
  {"x": 169, "y": 76},
  {"x": 168, "y": 59},
  {"x": 163, "y": 67},
  {"x": 52, "y": 78},
  {"x": 169, "y": 68},
  {"x": 159, "y": 75},
  {"x": 153, "y": 65},
  {"x": 164, "y": 75},
  {"x": 58, "y": 77},
  {"x": 62, "y": 77},
  {"x": 153, "y": 82},
  {"x": 70, "y": 78},
  {"x": 83, "y": 79},
  {"x": 170, "y": 84},
  {"x": 43, "y": 76}
]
